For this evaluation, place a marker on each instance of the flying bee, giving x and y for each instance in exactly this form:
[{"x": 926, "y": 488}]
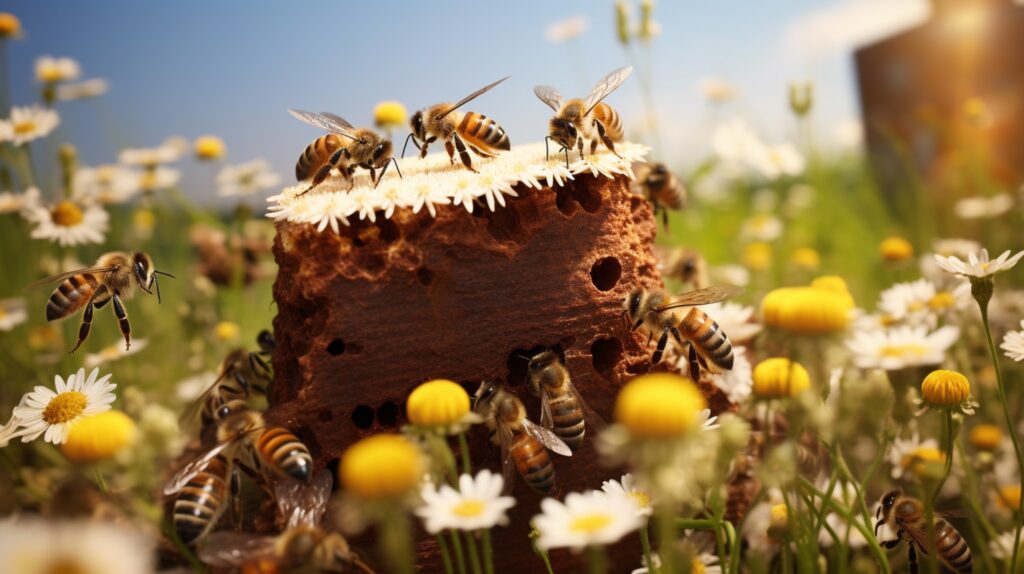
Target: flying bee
[
  {"x": 563, "y": 409},
  {"x": 112, "y": 278},
  {"x": 245, "y": 441},
  {"x": 458, "y": 130},
  {"x": 660, "y": 187},
  {"x": 346, "y": 148},
  {"x": 304, "y": 546},
  {"x": 241, "y": 373},
  {"x": 906, "y": 517},
  {"x": 590, "y": 119},
  {"x": 524, "y": 445},
  {"x": 653, "y": 311}
]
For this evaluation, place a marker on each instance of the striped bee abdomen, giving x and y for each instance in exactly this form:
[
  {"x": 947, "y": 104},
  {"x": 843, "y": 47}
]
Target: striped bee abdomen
[
  {"x": 533, "y": 462},
  {"x": 610, "y": 119},
  {"x": 71, "y": 295},
  {"x": 483, "y": 132},
  {"x": 283, "y": 452},
  {"x": 707, "y": 337},
  {"x": 315, "y": 155},
  {"x": 200, "y": 502},
  {"x": 567, "y": 419},
  {"x": 952, "y": 547}
]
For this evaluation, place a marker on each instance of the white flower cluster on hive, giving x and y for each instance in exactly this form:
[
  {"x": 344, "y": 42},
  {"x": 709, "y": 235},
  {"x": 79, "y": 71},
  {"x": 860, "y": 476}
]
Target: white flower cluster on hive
[{"x": 432, "y": 181}]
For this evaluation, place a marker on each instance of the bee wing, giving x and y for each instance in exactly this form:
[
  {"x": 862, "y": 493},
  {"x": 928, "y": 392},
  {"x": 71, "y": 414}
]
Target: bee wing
[
  {"x": 546, "y": 420},
  {"x": 549, "y": 96},
  {"x": 607, "y": 85},
  {"x": 593, "y": 420},
  {"x": 326, "y": 123},
  {"x": 62, "y": 276},
  {"x": 472, "y": 97},
  {"x": 181, "y": 478},
  {"x": 919, "y": 536},
  {"x": 712, "y": 294},
  {"x": 233, "y": 549},
  {"x": 191, "y": 414},
  {"x": 337, "y": 120},
  {"x": 304, "y": 504},
  {"x": 954, "y": 513},
  {"x": 547, "y": 438},
  {"x": 508, "y": 466}
]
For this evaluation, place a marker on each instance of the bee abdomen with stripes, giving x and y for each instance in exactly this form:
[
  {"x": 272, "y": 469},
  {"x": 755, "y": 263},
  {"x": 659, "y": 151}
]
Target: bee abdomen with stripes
[{"x": 285, "y": 453}]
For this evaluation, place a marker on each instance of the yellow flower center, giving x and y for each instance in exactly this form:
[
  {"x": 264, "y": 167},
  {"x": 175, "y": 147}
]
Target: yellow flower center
[
  {"x": 64, "y": 407},
  {"x": 67, "y": 214},
  {"x": 915, "y": 306},
  {"x": 697, "y": 567},
  {"x": 984, "y": 266},
  {"x": 590, "y": 523},
  {"x": 641, "y": 498},
  {"x": 922, "y": 454},
  {"x": 148, "y": 180},
  {"x": 65, "y": 565},
  {"x": 903, "y": 350},
  {"x": 10, "y": 26},
  {"x": 469, "y": 508},
  {"x": 944, "y": 388},
  {"x": 941, "y": 300},
  {"x": 3, "y": 312},
  {"x": 24, "y": 127},
  {"x": 1009, "y": 496}
]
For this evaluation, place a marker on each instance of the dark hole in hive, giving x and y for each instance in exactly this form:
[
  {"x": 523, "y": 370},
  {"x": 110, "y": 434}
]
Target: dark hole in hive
[
  {"x": 606, "y": 353},
  {"x": 388, "y": 230},
  {"x": 362, "y": 416},
  {"x": 387, "y": 414},
  {"x": 424, "y": 276},
  {"x": 564, "y": 201},
  {"x": 336, "y": 347},
  {"x": 504, "y": 225},
  {"x": 469, "y": 386},
  {"x": 519, "y": 360},
  {"x": 605, "y": 273},
  {"x": 588, "y": 197},
  {"x": 325, "y": 415}
]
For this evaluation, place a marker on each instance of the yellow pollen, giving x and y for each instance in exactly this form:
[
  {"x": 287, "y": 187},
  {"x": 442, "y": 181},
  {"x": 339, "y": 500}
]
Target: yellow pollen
[
  {"x": 590, "y": 523},
  {"x": 65, "y": 565},
  {"x": 697, "y": 567},
  {"x": 24, "y": 127},
  {"x": 148, "y": 180},
  {"x": 469, "y": 508},
  {"x": 64, "y": 407},
  {"x": 641, "y": 498},
  {"x": 984, "y": 266},
  {"x": 915, "y": 306},
  {"x": 67, "y": 214},
  {"x": 941, "y": 300},
  {"x": 903, "y": 350}
]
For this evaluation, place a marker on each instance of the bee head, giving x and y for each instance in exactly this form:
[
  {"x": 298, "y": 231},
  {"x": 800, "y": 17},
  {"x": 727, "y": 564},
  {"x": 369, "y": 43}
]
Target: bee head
[
  {"x": 230, "y": 408},
  {"x": 381, "y": 154},
  {"x": 142, "y": 267},
  {"x": 418, "y": 129},
  {"x": 888, "y": 500},
  {"x": 483, "y": 395},
  {"x": 631, "y": 306},
  {"x": 564, "y": 132},
  {"x": 542, "y": 360}
]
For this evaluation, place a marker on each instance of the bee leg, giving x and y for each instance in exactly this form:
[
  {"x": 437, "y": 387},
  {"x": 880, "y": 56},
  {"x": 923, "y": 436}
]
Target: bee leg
[
  {"x": 890, "y": 544},
  {"x": 325, "y": 170},
  {"x": 694, "y": 364},
  {"x": 566, "y": 150},
  {"x": 912, "y": 557},
  {"x": 236, "y": 498},
  {"x": 463, "y": 153},
  {"x": 426, "y": 142},
  {"x": 83, "y": 329},
  {"x": 547, "y": 152},
  {"x": 450, "y": 148},
  {"x": 373, "y": 175},
  {"x": 677, "y": 335},
  {"x": 604, "y": 138},
  {"x": 122, "y": 321},
  {"x": 579, "y": 145},
  {"x": 660, "y": 349},
  {"x": 480, "y": 152}
]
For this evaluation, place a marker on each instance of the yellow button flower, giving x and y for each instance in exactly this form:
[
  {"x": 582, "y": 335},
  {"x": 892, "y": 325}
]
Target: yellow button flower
[
  {"x": 209, "y": 147},
  {"x": 437, "y": 403},
  {"x": 99, "y": 437},
  {"x": 10, "y": 25},
  {"x": 945, "y": 389},
  {"x": 381, "y": 466},
  {"x": 779, "y": 378},
  {"x": 806, "y": 258},
  {"x": 807, "y": 310},
  {"x": 895, "y": 249},
  {"x": 226, "y": 331},
  {"x": 389, "y": 115},
  {"x": 778, "y": 520},
  {"x": 986, "y": 437},
  {"x": 924, "y": 462},
  {"x": 757, "y": 256},
  {"x": 1009, "y": 496},
  {"x": 659, "y": 405}
]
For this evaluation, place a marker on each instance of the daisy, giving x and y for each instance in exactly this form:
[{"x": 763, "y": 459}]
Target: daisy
[
  {"x": 112, "y": 353},
  {"x": 1013, "y": 344},
  {"x": 904, "y": 451},
  {"x": 15, "y": 202},
  {"x": 170, "y": 151},
  {"x": 568, "y": 29},
  {"x": 762, "y": 227},
  {"x": 955, "y": 246},
  {"x": 1002, "y": 546},
  {"x": 591, "y": 519},
  {"x": 93, "y": 88},
  {"x": 466, "y": 190},
  {"x": 901, "y": 347},
  {"x": 555, "y": 172},
  {"x": 246, "y": 179},
  {"x": 978, "y": 264},
  {"x": 13, "y": 312},
  {"x": 716, "y": 90},
  {"x": 735, "y": 319},
  {"x": 476, "y": 505},
  {"x": 706, "y": 421},
  {"x": 53, "y": 413},
  {"x": 626, "y": 487},
  {"x": 779, "y": 160},
  {"x": 106, "y": 184},
  {"x": 703, "y": 563},
  {"x": 158, "y": 177},
  {"x": 28, "y": 123},
  {"x": 983, "y": 207},
  {"x": 50, "y": 70},
  {"x": 738, "y": 382},
  {"x": 68, "y": 222},
  {"x": 920, "y": 302},
  {"x": 37, "y": 546},
  {"x": 365, "y": 202},
  {"x": 495, "y": 190}
]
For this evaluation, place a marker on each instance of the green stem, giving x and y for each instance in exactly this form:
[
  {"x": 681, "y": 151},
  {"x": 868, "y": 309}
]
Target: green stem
[
  {"x": 596, "y": 560},
  {"x": 467, "y": 467},
  {"x": 460, "y": 557},
  {"x": 645, "y": 542},
  {"x": 667, "y": 528},
  {"x": 446, "y": 556},
  {"x": 842, "y": 510},
  {"x": 695, "y": 523},
  {"x": 734, "y": 549},
  {"x": 101, "y": 482},
  {"x": 396, "y": 542},
  {"x": 543, "y": 555},
  {"x": 929, "y": 517},
  {"x": 485, "y": 536},
  {"x": 947, "y": 430},
  {"x": 474, "y": 554}
]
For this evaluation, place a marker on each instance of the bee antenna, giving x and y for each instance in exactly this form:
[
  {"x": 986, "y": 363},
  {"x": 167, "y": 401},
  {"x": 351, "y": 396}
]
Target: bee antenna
[
  {"x": 395, "y": 161},
  {"x": 156, "y": 282},
  {"x": 165, "y": 274},
  {"x": 412, "y": 137}
]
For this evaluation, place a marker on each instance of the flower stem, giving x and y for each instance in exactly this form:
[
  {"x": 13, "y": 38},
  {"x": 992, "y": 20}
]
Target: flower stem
[
  {"x": 947, "y": 430},
  {"x": 396, "y": 542},
  {"x": 543, "y": 555},
  {"x": 485, "y": 536},
  {"x": 474, "y": 554},
  {"x": 446, "y": 556},
  {"x": 460, "y": 557},
  {"x": 667, "y": 525},
  {"x": 596, "y": 562},
  {"x": 467, "y": 467},
  {"x": 734, "y": 548},
  {"x": 645, "y": 542},
  {"x": 842, "y": 510}
]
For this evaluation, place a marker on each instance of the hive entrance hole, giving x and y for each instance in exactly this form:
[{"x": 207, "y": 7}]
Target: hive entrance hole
[
  {"x": 605, "y": 273},
  {"x": 605, "y": 354},
  {"x": 362, "y": 417},
  {"x": 336, "y": 347},
  {"x": 519, "y": 360},
  {"x": 387, "y": 414}
]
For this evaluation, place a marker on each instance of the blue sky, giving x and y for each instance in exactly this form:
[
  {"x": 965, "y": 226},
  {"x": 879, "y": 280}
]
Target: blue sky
[{"x": 232, "y": 68}]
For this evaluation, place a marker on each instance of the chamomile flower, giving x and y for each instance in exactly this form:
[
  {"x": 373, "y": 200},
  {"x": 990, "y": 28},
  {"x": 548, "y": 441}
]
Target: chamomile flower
[
  {"x": 11, "y": 202},
  {"x": 1013, "y": 344},
  {"x": 703, "y": 563},
  {"x": 978, "y": 265},
  {"x": 735, "y": 319},
  {"x": 52, "y": 412},
  {"x": 50, "y": 70},
  {"x": 13, "y": 312},
  {"x": 476, "y": 505},
  {"x": 68, "y": 222},
  {"x": 627, "y": 487},
  {"x": 737, "y": 383},
  {"x": 775, "y": 161},
  {"x": 246, "y": 179},
  {"x": 156, "y": 178},
  {"x": 983, "y": 207},
  {"x": 1001, "y": 547},
  {"x": 905, "y": 452},
  {"x": 36, "y": 546},
  {"x": 762, "y": 227},
  {"x": 955, "y": 246},
  {"x": 716, "y": 90},
  {"x": 168, "y": 152},
  {"x": 84, "y": 90},
  {"x": 922, "y": 302},
  {"x": 429, "y": 196},
  {"x": 901, "y": 347},
  {"x": 588, "y": 519},
  {"x": 28, "y": 123},
  {"x": 112, "y": 353},
  {"x": 106, "y": 184},
  {"x": 568, "y": 29}
]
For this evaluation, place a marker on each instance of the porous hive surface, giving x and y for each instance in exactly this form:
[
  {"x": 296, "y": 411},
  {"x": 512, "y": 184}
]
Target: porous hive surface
[{"x": 371, "y": 307}]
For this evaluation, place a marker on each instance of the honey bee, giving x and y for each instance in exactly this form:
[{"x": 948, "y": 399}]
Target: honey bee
[
  {"x": 346, "y": 148},
  {"x": 563, "y": 409},
  {"x": 241, "y": 372},
  {"x": 524, "y": 445},
  {"x": 112, "y": 278},
  {"x": 653, "y": 311},
  {"x": 458, "y": 130},
  {"x": 906, "y": 517},
  {"x": 660, "y": 187},
  {"x": 576, "y": 119},
  {"x": 244, "y": 440},
  {"x": 304, "y": 546},
  {"x": 688, "y": 266}
]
